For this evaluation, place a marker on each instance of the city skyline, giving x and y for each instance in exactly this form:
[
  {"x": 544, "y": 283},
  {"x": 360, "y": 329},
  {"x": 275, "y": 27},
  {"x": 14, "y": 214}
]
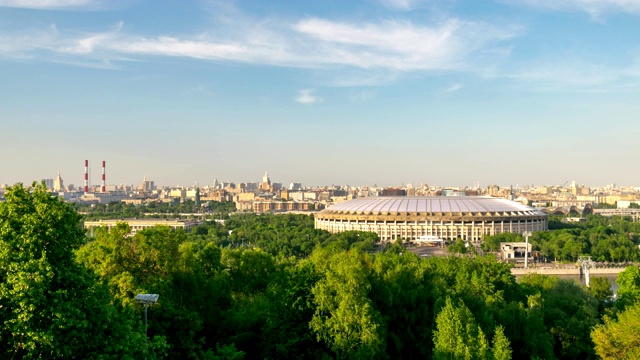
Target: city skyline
[
  {"x": 94, "y": 182},
  {"x": 366, "y": 92}
]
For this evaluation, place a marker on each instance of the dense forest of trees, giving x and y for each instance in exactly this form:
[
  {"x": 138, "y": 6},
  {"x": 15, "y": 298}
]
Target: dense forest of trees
[{"x": 271, "y": 286}]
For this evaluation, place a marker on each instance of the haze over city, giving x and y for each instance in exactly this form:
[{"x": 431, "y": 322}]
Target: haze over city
[{"x": 332, "y": 92}]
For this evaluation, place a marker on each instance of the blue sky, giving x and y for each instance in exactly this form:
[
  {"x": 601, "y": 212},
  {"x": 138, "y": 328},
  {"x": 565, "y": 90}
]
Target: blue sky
[{"x": 321, "y": 92}]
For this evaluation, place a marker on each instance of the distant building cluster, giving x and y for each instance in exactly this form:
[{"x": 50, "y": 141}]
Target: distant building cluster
[
  {"x": 258, "y": 197},
  {"x": 421, "y": 214},
  {"x": 266, "y": 196}
]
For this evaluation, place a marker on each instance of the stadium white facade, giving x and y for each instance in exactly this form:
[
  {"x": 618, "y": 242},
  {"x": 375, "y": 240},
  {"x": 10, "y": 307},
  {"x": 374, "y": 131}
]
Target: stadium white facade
[{"x": 445, "y": 217}]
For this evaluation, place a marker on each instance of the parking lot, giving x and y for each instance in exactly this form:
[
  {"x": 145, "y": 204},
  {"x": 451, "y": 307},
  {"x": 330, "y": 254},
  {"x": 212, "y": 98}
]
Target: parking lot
[{"x": 427, "y": 251}]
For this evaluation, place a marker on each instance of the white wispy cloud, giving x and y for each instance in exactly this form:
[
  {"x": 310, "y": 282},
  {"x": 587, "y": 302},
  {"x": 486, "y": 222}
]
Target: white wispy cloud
[
  {"x": 306, "y": 97},
  {"x": 309, "y": 43},
  {"x": 92, "y": 42},
  {"x": 572, "y": 75},
  {"x": 593, "y": 7},
  {"x": 362, "y": 96},
  {"x": 363, "y": 77},
  {"x": 633, "y": 69},
  {"x": 349, "y": 53},
  {"x": 49, "y": 4},
  {"x": 400, "y": 45},
  {"x": 401, "y": 4},
  {"x": 454, "y": 87}
]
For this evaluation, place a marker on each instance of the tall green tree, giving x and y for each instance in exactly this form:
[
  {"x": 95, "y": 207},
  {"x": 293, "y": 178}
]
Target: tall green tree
[
  {"x": 51, "y": 306},
  {"x": 458, "y": 247},
  {"x": 457, "y": 335},
  {"x": 629, "y": 291},
  {"x": 194, "y": 289},
  {"x": 286, "y": 333},
  {"x": 492, "y": 242},
  {"x": 345, "y": 317},
  {"x": 600, "y": 288},
  {"x": 399, "y": 291},
  {"x": 501, "y": 349},
  {"x": 619, "y": 338},
  {"x": 569, "y": 312}
]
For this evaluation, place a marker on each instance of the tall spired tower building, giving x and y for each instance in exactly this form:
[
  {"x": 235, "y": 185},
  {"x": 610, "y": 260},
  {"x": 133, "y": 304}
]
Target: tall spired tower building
[
  {"x": 266, "y": 183},
  {"x": 58, "y": 184}
]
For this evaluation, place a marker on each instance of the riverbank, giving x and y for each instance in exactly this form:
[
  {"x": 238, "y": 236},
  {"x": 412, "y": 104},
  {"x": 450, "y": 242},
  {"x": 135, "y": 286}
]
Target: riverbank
[{"x": 564, "y": 271}]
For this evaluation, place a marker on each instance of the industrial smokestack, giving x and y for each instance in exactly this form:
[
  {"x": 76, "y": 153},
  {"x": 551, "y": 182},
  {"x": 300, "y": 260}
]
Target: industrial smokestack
[
  {"x": 86, "y": 176},
  {"x": 103, "y": 188}
]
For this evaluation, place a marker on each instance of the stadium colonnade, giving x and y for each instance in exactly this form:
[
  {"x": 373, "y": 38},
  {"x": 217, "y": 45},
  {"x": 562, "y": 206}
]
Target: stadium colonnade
[{"x": 446, "y": 217}]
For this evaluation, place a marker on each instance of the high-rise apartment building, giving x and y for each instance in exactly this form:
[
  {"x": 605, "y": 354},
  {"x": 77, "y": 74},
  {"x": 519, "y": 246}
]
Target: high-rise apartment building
[
  {"x": 58, "y": 184},
  {"x": 48, "y": 183},
  {"x": 266, "y": 183}
]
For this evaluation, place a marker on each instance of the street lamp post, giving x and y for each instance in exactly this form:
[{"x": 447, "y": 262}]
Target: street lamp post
[
  {"x": 526, "y": 235},
  {"x": 146, "y": 300}
]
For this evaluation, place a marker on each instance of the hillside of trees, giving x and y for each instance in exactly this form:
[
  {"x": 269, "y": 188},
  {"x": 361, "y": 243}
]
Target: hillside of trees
[{"x": 272, "y": 287}]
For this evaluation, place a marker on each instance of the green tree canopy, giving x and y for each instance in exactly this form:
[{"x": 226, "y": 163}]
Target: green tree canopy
[
  {"x": 569, "y": 312},
  {"x": 50, "y": 306},
  {"x": 619, "y": 339},
  {"x": 629, "y": 282},
  {"x": 457, "y": 336},
  {"x": 188, "y": 274},
  {"x": 501, "y": 349},
  {"x": 345, "y": 317}
]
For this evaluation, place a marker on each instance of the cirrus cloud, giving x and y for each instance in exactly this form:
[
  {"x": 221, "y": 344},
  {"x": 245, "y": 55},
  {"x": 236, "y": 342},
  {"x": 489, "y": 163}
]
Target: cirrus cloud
[
  {"x": 391, "y": 45},
  {"x": 401, "y": 4},
  {"x": 592, "y": 7},
  {"x": 49, "y": 4}
]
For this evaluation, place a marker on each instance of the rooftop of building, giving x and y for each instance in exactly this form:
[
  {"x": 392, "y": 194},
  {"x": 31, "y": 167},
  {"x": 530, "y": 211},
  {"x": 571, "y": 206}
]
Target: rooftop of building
[{"x": 386, "y": 205}]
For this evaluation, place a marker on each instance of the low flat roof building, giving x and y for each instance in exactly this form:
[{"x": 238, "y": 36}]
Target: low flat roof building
[{"x": 141, "y": 224}]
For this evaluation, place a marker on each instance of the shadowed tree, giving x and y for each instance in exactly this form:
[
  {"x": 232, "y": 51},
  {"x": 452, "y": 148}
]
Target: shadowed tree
[{"x": 569, "y": 312}]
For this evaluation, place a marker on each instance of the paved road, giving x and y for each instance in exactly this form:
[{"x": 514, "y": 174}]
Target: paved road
[{"x": 428, "y": 251}]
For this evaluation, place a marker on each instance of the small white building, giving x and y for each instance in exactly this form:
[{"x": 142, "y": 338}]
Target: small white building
[{"x": 514, "y": 251}]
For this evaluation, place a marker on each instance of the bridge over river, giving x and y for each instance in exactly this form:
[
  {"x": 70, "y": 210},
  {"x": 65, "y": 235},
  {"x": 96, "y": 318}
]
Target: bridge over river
[
  {"x": 569, "y": 270},
  {"x": 573, "y": 273}
]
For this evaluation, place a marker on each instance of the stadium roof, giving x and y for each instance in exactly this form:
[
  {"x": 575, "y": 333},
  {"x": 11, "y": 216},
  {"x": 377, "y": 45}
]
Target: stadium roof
[{"x": 431, "y": 204}]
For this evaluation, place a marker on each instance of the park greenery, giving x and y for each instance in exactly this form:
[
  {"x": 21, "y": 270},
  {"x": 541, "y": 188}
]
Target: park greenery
[
  {"x": 612, "y": 240},
  {"x": 156, "y": 209},
  {"x": 271, "y": 286}
]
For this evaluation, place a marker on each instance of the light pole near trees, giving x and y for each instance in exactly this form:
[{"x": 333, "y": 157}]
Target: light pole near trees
[
  {"x": 526, "y": 235},
  {"x": 146, "y": 300}
]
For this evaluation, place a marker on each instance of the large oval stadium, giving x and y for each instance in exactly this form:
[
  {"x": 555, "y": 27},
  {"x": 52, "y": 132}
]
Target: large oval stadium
[{"x": 444, "y": 217}]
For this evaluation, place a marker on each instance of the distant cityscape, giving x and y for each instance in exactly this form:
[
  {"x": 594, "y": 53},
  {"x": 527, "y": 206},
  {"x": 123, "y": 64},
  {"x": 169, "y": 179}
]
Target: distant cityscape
[{"x": 270, "y": 196}]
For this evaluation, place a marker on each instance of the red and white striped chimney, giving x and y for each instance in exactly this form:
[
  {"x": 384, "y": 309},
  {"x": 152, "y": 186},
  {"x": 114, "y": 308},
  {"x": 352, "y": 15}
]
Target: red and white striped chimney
[
  {"x": 86, "y": 176},
  {"x": 103, "y": 188}
]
